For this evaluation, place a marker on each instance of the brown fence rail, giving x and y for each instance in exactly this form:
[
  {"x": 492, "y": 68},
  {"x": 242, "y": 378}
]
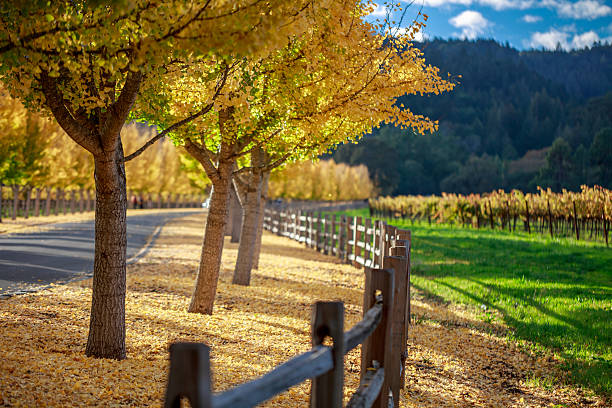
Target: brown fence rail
[
  {"x": 382, "y": 332},
  {"x": 25, "y": 201}
]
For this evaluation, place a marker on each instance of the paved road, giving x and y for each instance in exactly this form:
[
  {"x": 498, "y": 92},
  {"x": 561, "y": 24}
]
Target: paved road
[{"x": 34, "y": 260}]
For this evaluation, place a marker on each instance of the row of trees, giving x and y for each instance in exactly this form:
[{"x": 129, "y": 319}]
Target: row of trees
[
  {"x": 244, "y": 87},
  {"x": 325, "y": 180},
  {"x": 37, "y": 157},
  {"x": 585, "y": 214}
]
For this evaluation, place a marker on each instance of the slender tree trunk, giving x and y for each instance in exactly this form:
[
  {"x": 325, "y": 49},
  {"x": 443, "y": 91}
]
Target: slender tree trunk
[
  {"x": 262, "y": 207},
  {"x": 48, "y": 201},
  {"x": 59, "y": 201},
  {"x": 28, "y": 194},
  {"x": 72, "y": 201},
  {"x": 236, "y": 215},
  {"x": 210, "y": 261},
  {"x": 37, "y": 203},
  {"x": 81, "y": 200},
  {"x": 89, "y": 203},
  {"x": 231, "y": 214},
  {"x": 246, "y": 249},
  {"x": 15, "y": 201},
  {"x": 107, "y": 320},
  {"x": 1, "y": 198}
]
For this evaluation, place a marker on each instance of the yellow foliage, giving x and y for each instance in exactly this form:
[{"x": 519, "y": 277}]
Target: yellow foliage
[
  {"x": 323, "y": 180},
  {"x": 158, "y": 169}
]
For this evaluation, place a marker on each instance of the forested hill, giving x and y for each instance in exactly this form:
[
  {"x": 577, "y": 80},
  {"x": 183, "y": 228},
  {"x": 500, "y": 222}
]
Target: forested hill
[{"x": 515, "y": 120}]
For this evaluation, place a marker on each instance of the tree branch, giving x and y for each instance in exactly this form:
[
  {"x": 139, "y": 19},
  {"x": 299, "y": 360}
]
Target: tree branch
[
  {"x": 188, "y": 119},
  {"x": 201, "y": 155},
  {"x": 71, "y": 125}
]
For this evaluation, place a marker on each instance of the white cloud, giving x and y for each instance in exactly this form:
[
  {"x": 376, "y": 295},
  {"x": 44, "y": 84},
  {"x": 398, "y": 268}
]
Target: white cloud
[
  {"x": 379, "y": 11},
  {"x": 471, "y": 23},
  {"x": 528, "y": 18},
  {"x": 585, "y": 40},
  {"x": 420, "y": 36},
  {"x": 507, "y": 4},
  {"x": 568, "y": 41},
  {"x": 550, "y": 39},
  {"x": 438, "y": 3},
  {"x": 496, "y": 4},
  {"x": 582, "y": 9}
]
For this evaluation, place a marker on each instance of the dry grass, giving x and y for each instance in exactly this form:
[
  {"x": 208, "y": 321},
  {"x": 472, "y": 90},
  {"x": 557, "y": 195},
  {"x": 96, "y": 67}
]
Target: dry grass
[{"x": 453, "y": 360}]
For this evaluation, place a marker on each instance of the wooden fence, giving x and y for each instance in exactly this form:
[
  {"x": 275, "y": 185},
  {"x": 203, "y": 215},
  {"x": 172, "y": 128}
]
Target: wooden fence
[
  {"x": 20, "y": 201},
  {"x": 382, "y": 332}
]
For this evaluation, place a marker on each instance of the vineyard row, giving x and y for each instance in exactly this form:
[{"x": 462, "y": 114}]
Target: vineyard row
[{"x": 586, "y": 214}]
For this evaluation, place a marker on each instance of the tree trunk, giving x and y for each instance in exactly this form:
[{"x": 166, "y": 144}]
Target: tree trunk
[
  {"x": 260, "y": 222},
  {"x": 246, "y": 249},
  {"x": 59, "y": 201},
  {"x": 236, "y": 215},
  {"x": 81, "y": 200},
  {"x": 37, "y": 203},
  {"x": 28, "y": 194},
  {"x": 107, "y": 320},
  {"x": 15, "y": 201},
  {"x": 89, "y": 203},
  {"x": 48, "y": 201},
  {"x": 72, "y": 201},
  {"x": 210, "y": 261},
  {"x": 1, "y": 185}
]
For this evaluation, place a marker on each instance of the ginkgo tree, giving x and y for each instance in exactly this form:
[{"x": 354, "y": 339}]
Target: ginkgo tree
[
  {"x": 330, "y": 85},
  {"x": 85, "y": 63},
  {"x": 355, "y": 82}
]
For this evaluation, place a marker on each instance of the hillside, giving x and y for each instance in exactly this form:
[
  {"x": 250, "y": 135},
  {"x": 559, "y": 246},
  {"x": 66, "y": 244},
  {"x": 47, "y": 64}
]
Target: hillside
[{"x": 498, "y": 127}]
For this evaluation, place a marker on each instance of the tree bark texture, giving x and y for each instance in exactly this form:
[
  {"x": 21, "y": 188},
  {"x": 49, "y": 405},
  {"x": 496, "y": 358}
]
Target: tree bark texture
[
  {"x": 15, "y": 201},
  {"x": 37, "y": 203},
  {"x": 48, "y": 201},
  {"x": 28, "y": 194},
  {"x": 262, "y": 207},
  {"x": 236, "y": 215},
  {"x": 210, "y": 260},
  {"x": 250, "y": 199},
  {"x": 107, "y": 320}
]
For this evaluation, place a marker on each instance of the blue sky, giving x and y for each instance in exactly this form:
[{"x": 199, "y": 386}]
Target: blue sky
[{"x": 525, "y": 24}]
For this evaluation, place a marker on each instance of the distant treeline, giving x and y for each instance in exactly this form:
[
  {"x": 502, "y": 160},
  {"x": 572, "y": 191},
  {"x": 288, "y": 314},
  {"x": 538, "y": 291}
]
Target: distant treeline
[{"x": 516, "y": 120}]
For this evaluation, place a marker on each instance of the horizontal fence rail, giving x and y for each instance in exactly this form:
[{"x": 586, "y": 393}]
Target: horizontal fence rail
[
  {"x": 26, "y": 202},
  {"x": 382, "y": 333}
]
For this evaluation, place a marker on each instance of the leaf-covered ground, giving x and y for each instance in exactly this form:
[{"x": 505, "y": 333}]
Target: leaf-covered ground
[{"x": 454, "y": 358}]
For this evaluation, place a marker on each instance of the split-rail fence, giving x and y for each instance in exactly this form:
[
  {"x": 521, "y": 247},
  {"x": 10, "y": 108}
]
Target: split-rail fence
[{"x": 384, "y": 251}]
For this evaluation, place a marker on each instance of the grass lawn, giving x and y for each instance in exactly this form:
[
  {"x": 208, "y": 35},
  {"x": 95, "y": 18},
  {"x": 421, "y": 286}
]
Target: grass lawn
[{"x": 553, "y": 294}]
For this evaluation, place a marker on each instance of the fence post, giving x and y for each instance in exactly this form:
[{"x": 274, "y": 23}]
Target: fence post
[
  {"x": 376, "y": 346},
  {"x": 346, "y": 237},
  {"x": 334, "y": 237},
  {"x": 356, "y": 239},
  {"x": 189, "y": 376},
  {"x": 399, "y": 263},
  {"x": 319, "y": 223},
  {"x": 326, "y": 234},
  {"x": 367, "y": 250},
  {"x": 328, "y": 320},
  {"x": 309, "y": 220}
]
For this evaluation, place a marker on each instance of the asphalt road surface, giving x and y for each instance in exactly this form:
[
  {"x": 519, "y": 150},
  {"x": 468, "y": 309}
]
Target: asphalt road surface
[{"x": 32, "y": 261}]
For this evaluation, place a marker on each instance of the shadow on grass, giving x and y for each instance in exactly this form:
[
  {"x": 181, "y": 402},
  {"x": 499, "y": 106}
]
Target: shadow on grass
[{"x": 556, "y": 295}]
